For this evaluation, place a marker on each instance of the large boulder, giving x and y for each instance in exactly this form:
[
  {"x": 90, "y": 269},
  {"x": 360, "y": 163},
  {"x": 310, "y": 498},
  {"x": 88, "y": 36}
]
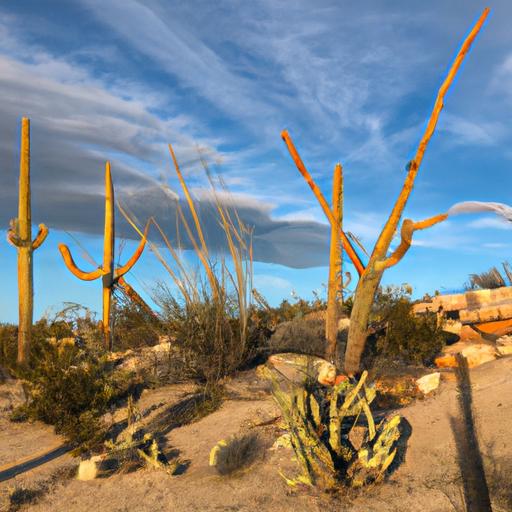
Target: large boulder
[{"x": 476, "y": 354}]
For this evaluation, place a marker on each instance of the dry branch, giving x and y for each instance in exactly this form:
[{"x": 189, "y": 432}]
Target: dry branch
[
  {"x": 321, "y": 199},
  {"x": 407, "y": 231}
]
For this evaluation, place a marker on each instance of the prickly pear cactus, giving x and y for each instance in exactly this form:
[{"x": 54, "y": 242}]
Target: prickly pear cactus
[{"x": 320, "y": 420}]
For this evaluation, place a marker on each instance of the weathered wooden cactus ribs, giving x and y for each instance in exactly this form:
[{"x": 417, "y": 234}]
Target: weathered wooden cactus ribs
[
  {"x": 20, "y": 236},
  {"x": 320, "y": 421},
  {"x": 108, "y": 273}
]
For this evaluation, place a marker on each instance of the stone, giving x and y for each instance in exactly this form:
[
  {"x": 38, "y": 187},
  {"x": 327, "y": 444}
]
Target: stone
[
  {"x": 295, "y": 367},
  {"x": 452, "y": 326},
  {"x": 327, "y": 374},
  {"x": 504, "y": 345},
  {"x": 89, "y": 468},
  {"x": 475, "y": 353},
  {"x": 429, "y": 383},
  {"x": 468, "y": 334}
]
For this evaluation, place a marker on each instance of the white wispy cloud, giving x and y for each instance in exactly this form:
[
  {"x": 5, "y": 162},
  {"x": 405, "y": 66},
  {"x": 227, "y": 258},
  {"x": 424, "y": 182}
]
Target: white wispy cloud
[
  {"x": 490, "y": 223},
  {"x": 468, "y": 132}
]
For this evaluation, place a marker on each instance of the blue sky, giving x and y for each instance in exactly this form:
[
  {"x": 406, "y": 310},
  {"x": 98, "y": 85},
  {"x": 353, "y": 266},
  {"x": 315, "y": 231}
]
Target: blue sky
[{"x": 352, "y": 82}]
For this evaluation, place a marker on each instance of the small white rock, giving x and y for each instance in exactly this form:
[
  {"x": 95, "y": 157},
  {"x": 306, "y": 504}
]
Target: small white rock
[
  {"x": 89, "y": 469},
  {"x": 429, "y": 383}
]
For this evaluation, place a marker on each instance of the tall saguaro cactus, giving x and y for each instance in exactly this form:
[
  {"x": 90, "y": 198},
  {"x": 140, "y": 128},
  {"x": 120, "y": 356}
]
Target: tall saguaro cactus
[
  {"x": 109, "y": 274},
  {"x": 20, "y": 236}
]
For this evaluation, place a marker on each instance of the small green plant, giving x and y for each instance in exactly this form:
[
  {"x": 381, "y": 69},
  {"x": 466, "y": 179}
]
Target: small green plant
[
  {"x": 234, "y": 454},
  {"x": 71, "y": 388},
  {"x": 320, "y": 420}
]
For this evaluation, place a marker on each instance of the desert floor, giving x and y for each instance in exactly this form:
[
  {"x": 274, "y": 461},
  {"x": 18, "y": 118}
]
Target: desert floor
[{"x": 426, "y": 477}]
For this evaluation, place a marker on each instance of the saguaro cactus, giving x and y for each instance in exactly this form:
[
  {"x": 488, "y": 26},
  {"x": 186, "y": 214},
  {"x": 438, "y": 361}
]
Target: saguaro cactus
[
  {"x": 110, "y": 275},
  {"x": 20, "y": 236}
]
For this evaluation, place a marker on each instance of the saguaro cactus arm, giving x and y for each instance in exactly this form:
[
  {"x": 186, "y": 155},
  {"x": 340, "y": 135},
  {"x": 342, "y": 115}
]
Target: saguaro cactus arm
[
  {"x": 321, "y": 199},
  {"x": 72, "y": 267},
  {"x": 407, "y": 231},
  {"x": 41, "y": 236},
  {"x": 121, "y": 271}
]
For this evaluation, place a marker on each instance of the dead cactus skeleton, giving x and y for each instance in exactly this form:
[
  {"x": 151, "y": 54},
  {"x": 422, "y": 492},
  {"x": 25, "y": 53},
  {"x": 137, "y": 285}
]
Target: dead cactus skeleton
[{"x": 370, "y": 276}]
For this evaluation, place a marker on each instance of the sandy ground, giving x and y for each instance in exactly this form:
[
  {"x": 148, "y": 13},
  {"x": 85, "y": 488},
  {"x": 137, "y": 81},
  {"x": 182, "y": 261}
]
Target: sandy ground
[{"x": 427, "y": 478}]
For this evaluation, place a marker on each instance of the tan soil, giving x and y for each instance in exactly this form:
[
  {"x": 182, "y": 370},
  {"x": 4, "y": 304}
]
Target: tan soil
[{"x": 427, "y": 480}]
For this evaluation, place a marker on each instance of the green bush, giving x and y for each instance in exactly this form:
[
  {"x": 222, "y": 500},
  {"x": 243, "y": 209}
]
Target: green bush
[
  {"x": 71, "y": 388},
  {"x": 208, "y": 333},
  {"x": 399, "y": 333},
  {"x": 133, "y": 326}
]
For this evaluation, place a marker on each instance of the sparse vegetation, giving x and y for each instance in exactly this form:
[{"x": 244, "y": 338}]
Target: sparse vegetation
[
  {"x": 399, "y": 334},
  {"x": 490, "y": 279},
  {"x": 71, "y": 388}
]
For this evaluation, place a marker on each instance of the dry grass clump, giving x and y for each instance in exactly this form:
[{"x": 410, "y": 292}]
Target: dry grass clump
[
  {"x": 236, "y": 453},
  {"x": 301, "y": 335},
  {"x": 486, "y": 280},
  {"x": 208, "y": 311}
]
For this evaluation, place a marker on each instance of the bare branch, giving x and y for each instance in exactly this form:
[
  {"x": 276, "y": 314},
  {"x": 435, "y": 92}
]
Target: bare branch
[{"x": 408, "y": 229}]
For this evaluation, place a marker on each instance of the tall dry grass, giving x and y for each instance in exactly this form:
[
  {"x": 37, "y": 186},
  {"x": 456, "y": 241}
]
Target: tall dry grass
[{"x": 208, "y": 312}]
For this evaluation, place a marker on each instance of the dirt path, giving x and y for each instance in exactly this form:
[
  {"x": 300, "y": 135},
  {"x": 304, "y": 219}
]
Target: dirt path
[{"x": 428, "y": 479}]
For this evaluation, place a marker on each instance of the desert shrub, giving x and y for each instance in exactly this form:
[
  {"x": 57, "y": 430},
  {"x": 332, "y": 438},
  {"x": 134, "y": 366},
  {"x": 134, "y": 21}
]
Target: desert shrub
[
  {"x": 486, "y": 280},
  {"x": 235, "y": 453},
  {"x": 71, "y": 388},
  {"x": 133, "y": 326},
  {"x": 399, "y": 333},
  {"x": 8, "y": 345},
  {"x": 208, "y": 334},
  {"x": 287, "y": 311},
  {"x": 301, "y": 335}
]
